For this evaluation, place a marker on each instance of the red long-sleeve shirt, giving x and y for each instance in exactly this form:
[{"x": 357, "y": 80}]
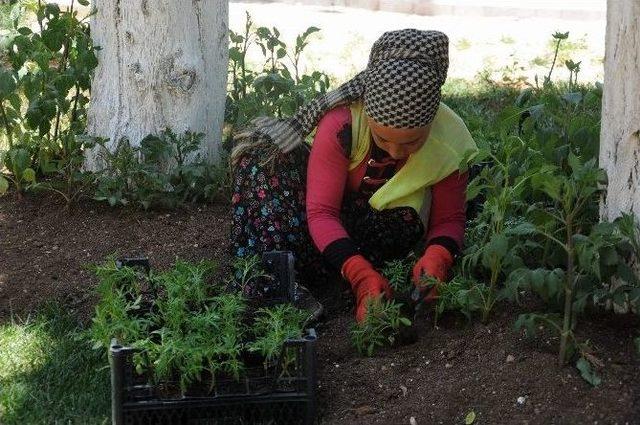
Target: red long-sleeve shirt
[{"x": 328, "y": 177}]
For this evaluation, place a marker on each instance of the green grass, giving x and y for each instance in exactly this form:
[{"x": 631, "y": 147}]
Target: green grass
[
  {"x": 48, "y": 375},
  {"x": 463, "y": 44}
]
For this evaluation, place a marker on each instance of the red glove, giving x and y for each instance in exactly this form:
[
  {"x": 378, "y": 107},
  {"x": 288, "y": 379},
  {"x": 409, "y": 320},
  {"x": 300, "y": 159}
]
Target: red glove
[
  {"x": 366, "y": 283},
  {"x": 435, "y": 262}
]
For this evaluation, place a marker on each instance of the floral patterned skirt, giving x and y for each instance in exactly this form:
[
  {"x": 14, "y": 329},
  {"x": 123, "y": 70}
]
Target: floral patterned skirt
[{"x": 268, "y": 210}]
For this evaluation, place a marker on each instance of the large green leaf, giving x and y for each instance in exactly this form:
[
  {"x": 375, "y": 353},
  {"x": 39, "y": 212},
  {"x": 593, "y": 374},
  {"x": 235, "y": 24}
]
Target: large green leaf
[
  {"x": 17, "y": 160},
  {"x": 496, "y": 249},
  {"x": 29, "y": 175},
  {"x": 7, "y": 84},
  {"x": 587, "y": 373}
]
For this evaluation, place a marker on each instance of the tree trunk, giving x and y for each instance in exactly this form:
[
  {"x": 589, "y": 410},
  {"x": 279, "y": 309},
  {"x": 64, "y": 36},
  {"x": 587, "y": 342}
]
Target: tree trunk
[
  {"x": 162, "y": 63},
  {"x": 620, "y": 130}
]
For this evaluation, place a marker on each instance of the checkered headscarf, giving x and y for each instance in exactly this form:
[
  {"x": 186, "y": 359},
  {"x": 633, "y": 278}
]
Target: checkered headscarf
[{"x": 400, "y": 88}]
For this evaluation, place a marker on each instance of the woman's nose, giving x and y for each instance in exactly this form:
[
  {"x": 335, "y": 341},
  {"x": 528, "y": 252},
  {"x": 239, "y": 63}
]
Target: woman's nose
[{"x": 397, "y": 152}]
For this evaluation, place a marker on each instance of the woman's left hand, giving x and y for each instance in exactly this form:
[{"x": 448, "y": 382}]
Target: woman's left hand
[{"x": 435, "y": 262}]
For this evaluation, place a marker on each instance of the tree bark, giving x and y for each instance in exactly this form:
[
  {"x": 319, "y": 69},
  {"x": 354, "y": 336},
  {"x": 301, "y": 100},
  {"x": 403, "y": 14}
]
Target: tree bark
[
  {"x": 620, "y": 130},
  {"x": 162, "y": 63}
]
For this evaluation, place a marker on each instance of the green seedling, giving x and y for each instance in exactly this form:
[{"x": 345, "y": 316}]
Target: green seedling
[
  {"x": 399, "y": 274},
  {"x": 192, "y": 327},
  {"x": 272, "y": 327},
  {"x": 17, "y": 161},
  {"x": 247, "y": 271},
  {"x": 380, "y": 326}
]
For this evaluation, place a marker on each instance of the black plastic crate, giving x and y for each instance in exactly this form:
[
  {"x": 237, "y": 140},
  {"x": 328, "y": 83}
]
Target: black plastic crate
[
  {"x": 280, "y": 395},
  {"x": 262, "y": 397}
]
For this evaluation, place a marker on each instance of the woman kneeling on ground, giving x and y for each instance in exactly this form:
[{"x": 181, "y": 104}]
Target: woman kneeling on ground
[{"x": 380, "y": 180}]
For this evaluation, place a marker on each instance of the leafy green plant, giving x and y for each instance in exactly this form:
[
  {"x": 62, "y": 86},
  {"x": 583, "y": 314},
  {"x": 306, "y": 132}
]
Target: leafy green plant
[
  {"x": 539, "y": 230},
  {"x": 184, "y": 328},
  {"x": 592, "y": 257},
  {"x": 280, "y": 87},
  {"x": 494, "y": 249},
  {"x": 464, "y": 295},
  {"x": 117, "y": 314},
  {"x": 44, "y": 92},
  {"x": 194, "y": 340},
  {"x": 380, "y": 326},
  {"x": 67, "y": 178},
  {"x": 18, "y": 162},
  {"x": 164, "y": 171},
  {"x": 570, "y": 195}
]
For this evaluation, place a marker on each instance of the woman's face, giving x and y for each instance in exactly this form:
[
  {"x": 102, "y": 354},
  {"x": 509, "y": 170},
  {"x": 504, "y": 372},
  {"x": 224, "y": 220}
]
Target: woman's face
[{"x": 399, "y": 143}]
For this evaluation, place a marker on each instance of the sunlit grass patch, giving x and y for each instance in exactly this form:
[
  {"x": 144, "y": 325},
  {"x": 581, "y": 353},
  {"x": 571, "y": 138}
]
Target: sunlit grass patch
[{"x": 49, "y": 374}]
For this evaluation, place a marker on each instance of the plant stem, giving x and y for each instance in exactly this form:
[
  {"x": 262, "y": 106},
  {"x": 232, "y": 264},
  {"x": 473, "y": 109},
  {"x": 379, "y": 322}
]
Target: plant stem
[
  {"x": 554, "y": 60},
  {"x": 74, "y": 111},
  {"x": 39, "y": 19},
  {"x": 488, "y": 305},
  {"x": 6, "y": 124},
  {"x": 63, "y": 67},
  {"x": 568, "y": 295}
]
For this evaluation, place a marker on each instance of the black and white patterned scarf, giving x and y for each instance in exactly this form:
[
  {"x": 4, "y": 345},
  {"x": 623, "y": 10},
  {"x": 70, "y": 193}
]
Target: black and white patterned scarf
[{"x": 400, "y": 88}]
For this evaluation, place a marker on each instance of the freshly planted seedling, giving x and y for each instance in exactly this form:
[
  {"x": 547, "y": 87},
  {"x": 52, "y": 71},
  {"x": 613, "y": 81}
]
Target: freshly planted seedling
[
  {"x": 463, "y": 295},
  {"x": 399, "y": 274},
  {"x": 380, "y": 326}
]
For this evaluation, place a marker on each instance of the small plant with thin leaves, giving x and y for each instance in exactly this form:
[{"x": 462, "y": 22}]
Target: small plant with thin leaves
[
  {"x": 463, "y": 295},
  {"x": 381, "y": 326},
  {"x": 250, "y": 278},
  {"x": 193, "y": 333},
  {"x": 271, "y": 328},
  {"x": 118, "y": 313},
  {"x": 398, "y": 272}
]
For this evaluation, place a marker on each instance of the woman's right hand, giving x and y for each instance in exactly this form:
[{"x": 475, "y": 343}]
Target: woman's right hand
[{"x": 366, "y": 283}]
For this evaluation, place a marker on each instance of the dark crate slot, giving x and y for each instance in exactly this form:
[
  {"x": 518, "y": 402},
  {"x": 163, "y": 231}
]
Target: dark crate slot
[{"x": 279, "y": 395}]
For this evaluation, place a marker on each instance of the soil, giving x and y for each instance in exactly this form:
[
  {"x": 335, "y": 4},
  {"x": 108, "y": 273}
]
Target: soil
[{"x": 450, "y": 371}]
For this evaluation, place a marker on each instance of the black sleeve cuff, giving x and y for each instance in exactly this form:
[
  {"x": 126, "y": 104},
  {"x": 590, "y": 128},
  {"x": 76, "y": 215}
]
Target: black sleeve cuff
[
  {"x": 447, "y": 242},
  {"x": 339, "y": 251}
]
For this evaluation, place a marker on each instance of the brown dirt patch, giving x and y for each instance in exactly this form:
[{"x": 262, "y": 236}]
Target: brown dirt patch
[{"x": 450, "y": 371}]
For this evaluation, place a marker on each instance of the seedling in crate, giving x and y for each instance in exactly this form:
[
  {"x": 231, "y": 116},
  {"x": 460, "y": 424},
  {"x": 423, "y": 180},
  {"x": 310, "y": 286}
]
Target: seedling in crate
[
  {"x": 272, "y": 327},
  {"x": 249, "y": 273},
  {"x": 116, "y": 316}
]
